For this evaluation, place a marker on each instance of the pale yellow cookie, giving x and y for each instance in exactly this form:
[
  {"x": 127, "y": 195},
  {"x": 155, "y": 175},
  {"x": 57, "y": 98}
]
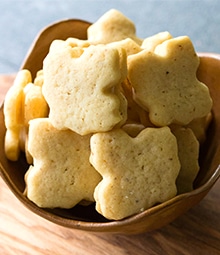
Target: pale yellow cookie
[
  {"x": 188, "y": 151},
  {"x": 129, "y": 45},
  {"x": 110, "y": 27},
  {"x": 62, "y": 46},
  {"x": 71, "y": 42},
  {"x": 61, "y": 175},
  {"x": 35, "y": 105},
  {"x": 83, "y": 91},
  {"x": 199, "y": 127},
  {"x": 39, "y": 79},
  {"x": 135, "y": 113},
  {"x": 13, "y": 114},
  {"x": 75, "y": 42},
  {"x": 165, "y": 83},
  {"x": 137, "y": 172},
  {"x": 150, "y": 43}
]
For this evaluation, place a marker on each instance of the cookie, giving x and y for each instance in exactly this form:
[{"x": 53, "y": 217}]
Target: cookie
[
  {"x": 137, "y": 172},
  {"x": 112, "y": 26},
  {"x": 83, "y": 91},
  {"x": 35, "y": 105},
  {"x": 200, "y": 126},
  {"x": 150, "y": 43},
  {"x": 13, "y": 114},
  {"x": 61, "y": 175},
  {"x": 188, "y": 152},
  {"x": 129, "y": 45},
  {"x": 165, "y": 83}
]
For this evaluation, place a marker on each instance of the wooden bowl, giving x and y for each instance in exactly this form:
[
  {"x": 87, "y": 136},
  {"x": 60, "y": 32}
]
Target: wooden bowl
[{"x": 87, "y": 218}]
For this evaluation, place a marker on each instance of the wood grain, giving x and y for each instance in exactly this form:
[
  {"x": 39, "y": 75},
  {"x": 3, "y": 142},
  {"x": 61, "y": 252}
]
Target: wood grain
[{"x": 22, "y": 232}]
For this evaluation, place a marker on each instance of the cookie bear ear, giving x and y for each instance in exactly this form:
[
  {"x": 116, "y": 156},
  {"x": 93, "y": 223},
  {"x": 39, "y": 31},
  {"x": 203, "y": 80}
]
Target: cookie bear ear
[
  {"x": 39, "y": 79},
  {"x": 165, "y": 83},
  {"x": 150, "y": 43},
  {"x": 83, "y": 90},
  {"x": 112, "y": 26},
  {"x": 137, "y": 172},
  {"x": 61, "y": 175},
  {"x": 129, "y": 45}
]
